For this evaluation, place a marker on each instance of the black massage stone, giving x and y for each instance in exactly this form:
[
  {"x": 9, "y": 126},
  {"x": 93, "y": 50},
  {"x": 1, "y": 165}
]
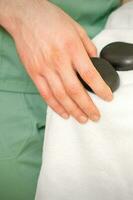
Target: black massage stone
[
  {"x": 107, "y": 72},
  {"x": 119, "y": 54}
]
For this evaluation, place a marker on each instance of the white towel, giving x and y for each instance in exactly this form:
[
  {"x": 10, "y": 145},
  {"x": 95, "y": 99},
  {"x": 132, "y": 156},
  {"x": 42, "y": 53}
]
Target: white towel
[
  {"x": 93, "y": 161},
  {"x": 122, "y": 18}
]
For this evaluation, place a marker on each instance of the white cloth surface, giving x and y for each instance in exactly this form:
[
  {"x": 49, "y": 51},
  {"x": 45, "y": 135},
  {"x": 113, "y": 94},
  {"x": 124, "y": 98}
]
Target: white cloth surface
[
  {"x": 122, "y": 18},
  {"x": 95, "y": 160}
]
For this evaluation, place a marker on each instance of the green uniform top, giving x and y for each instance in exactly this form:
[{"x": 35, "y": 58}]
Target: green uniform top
[{"x": 91, "y": 14}]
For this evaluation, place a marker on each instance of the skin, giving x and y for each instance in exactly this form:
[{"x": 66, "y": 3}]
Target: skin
[{"x": 52, "y": 47}]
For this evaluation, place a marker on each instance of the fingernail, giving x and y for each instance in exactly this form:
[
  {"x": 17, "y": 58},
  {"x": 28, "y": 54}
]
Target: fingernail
[
  {"x": 83, "y": 119},
  {"x": 95, "y": 117},
  {"x": 65, "y": 115}
]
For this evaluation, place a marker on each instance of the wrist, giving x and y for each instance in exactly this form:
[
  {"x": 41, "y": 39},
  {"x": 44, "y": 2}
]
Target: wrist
[{"x": 13, "y": 13}]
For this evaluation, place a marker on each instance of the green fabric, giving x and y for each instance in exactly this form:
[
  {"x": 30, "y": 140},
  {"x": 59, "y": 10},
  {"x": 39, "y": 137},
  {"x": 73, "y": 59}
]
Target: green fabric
[
  {"x": 21, "y": 142},
  {"x": 13, "y": 76},
  {"x": 22, "y": 109},
  {"x": 91, "y": 14}
]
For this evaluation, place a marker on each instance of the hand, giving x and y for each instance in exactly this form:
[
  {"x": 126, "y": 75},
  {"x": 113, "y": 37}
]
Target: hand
[{"x": 52, "y": 47}]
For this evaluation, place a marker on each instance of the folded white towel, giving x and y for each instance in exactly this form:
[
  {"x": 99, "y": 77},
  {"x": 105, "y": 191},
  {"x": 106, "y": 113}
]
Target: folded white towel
[{"x": 93, "y": 161}]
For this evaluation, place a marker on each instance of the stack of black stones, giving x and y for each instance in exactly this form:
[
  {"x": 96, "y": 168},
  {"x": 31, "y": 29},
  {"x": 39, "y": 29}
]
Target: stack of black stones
[{"x": 116, "y": 56}]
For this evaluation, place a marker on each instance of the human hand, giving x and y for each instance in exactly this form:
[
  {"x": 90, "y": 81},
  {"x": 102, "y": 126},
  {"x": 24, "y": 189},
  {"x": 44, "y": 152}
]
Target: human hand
[{"x": 52, "y": 47}]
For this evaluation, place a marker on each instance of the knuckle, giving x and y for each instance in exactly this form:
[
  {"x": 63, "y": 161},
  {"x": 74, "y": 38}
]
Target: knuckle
[
  {"x": 74, "y": 90},
  {"x": 47, "y": 96},
  {"x": 58, "y": 63},
  {"x": 89, "y": 108},
  {"x": 83, "y": 33},
  {"x": 86, "y": 107},
  {"x": 69, "y": 44},
  {"x": 58, "y": 67},
  {"x": 53, "y": 103},
  {"x": 89, "y": 75},
  {"x": 60, "y": 94},
  {"x": 73, "y": 110},
  {"x": 94, "y": 49},
  {"x": 56, "y": 106},
  {"x": 92, "y": 76},
  {"x": 45, "y": 71},
  {"x": 57, "y": 57},
  {"x": 77, "y": 113}
]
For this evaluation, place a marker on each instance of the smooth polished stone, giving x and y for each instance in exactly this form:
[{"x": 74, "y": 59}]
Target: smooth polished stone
[
  {"x": 119, "y": 54},
  {"x": 107, "y": 72}
]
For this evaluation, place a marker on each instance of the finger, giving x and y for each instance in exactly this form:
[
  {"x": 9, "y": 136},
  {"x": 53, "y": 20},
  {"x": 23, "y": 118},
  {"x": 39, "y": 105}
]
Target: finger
[
  {"x": 47, "y": 95},
  {"x": 77, "y": 93},
  {"x": 90, "y": 75},
  {"x": 88, "y": 44},
  {"x": 59, "y": 92}
]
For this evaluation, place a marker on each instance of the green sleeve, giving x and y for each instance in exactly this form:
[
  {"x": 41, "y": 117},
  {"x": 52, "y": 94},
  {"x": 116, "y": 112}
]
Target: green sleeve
[{"x": 91, "y": 14}]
